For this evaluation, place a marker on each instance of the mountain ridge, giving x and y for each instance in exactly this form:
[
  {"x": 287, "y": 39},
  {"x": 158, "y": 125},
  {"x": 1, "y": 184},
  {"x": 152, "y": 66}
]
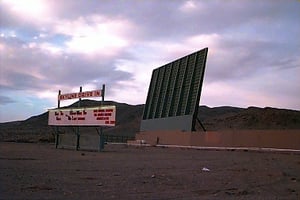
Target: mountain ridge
[{"x": 128, "y": 120}]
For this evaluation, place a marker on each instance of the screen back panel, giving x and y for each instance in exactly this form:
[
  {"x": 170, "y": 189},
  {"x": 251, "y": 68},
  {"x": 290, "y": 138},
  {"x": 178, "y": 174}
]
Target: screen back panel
[{"x": 174, "y": 91}]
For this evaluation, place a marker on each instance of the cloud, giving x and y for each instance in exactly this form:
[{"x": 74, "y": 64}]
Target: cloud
[
  {"x": 188, "y": 6},
  {"x": 33, "y": 68},
  {"x": 259, "y": 91},
  {"x": 6, "y": 100},
  {"x": 95, "y": 34},
  {"x": 29, "y": 8},
  {"x": 50, "y": 46}
]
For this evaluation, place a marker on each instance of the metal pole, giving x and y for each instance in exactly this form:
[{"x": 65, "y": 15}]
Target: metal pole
[
  {"x": 101, "y": 139},
  {"x": 103, "y": 92},
  {"x": 80, "y": 90},
  {"x": 201, "y": 124},
  {"x": 58, "y": 100},
  {"x": 57, "y": 129},
  {"x": 101, "y": 136},
  {"x": 77, "y": 130}
]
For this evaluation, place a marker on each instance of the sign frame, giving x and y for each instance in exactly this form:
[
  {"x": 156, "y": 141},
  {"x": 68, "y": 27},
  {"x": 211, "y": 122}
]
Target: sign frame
[
  {"x": 78, "y": 95},
  {"x": 91, "y": 116}
]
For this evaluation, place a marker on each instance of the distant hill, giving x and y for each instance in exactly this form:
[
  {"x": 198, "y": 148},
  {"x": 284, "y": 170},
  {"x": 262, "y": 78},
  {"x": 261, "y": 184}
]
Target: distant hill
[
  {"x": 129, "y": 116},
  {"x": 224, "y": 118}
]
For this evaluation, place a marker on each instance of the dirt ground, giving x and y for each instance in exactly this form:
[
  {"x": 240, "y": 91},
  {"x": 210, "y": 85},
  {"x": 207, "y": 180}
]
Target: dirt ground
[{"x": 39, "y": 171}]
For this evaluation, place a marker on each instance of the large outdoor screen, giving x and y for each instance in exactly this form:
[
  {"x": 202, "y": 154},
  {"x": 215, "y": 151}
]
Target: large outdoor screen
[{"x": 174, "y": 94}]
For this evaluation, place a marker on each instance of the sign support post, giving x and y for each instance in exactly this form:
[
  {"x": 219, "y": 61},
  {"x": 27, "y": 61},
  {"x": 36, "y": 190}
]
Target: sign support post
[
  {"x": 57, "y": 129},
  {"x": 77, "y": 129},
  {"x": 101, "y": 136}
]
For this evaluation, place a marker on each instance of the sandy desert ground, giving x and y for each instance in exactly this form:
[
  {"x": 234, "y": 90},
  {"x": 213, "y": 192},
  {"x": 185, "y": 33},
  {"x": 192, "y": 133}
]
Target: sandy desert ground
[{"x": 39, "y": 171}]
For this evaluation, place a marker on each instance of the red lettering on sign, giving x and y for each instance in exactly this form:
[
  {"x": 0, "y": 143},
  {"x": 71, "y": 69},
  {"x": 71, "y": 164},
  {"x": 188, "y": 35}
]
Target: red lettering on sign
[
  {"x": 94, "y": 93},
  {"x": 101, "y": 115},
  {"x": 100, "y": 110},
  {"x": 102, "y": 118},
  {"x": 98, "y": 93}
]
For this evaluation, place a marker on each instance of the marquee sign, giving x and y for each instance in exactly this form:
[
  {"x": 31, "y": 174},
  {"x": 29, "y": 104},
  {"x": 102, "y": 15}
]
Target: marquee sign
[
  {"x": 92, "y": 116},
  {"x": 94, "y": 93}
]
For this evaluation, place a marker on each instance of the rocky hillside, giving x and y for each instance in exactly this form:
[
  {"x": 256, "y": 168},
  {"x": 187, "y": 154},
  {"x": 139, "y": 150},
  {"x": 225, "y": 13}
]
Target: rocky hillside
[
  {"x": 224, "y": 118},
  {"x": 129, "y": 116}
]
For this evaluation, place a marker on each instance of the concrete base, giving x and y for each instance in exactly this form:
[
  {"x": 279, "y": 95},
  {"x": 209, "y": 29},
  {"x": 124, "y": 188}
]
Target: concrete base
[{"x": 282, "y": 139}]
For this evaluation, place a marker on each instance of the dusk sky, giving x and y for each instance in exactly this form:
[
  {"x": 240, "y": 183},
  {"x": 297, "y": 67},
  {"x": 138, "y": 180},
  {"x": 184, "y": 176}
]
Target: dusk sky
[{"x": 50, "y": 45}]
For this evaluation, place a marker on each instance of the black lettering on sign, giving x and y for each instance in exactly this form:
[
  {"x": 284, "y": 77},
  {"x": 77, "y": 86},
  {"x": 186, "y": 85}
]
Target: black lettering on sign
[{"x": 79, "y": 112}]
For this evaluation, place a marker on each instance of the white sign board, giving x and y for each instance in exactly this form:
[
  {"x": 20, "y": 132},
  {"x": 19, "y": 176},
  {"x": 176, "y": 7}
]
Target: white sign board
[
  {"x": 94, "y": 93},
  {"x": 93, "y": 116}
]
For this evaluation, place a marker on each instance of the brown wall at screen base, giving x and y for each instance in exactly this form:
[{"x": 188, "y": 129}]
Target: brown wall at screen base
[{"x": 286, "y": 139}]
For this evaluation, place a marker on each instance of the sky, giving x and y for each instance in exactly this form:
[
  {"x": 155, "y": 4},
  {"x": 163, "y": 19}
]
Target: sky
[{"x": 50, "y": 45}]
